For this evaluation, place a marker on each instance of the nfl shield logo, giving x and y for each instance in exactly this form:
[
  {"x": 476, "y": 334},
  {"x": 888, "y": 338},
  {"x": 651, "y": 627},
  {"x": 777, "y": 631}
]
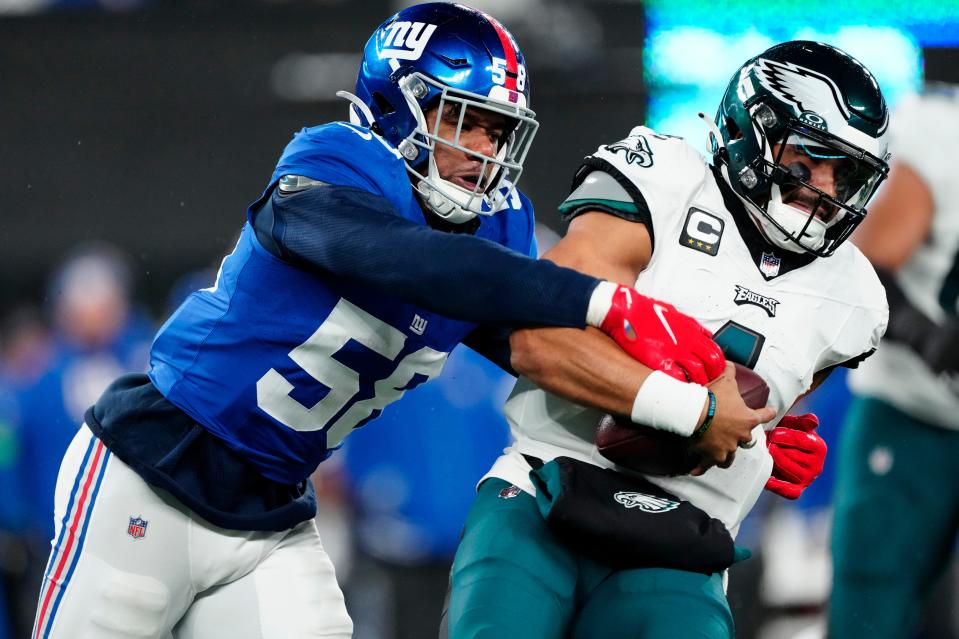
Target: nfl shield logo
[
  {"x": 137, "y": 528},
  {"x": 770, "y": 265}
]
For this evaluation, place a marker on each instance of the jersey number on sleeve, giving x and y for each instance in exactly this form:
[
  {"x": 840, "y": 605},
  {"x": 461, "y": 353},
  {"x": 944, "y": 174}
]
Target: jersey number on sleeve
[{"x": 339, "y": 412}]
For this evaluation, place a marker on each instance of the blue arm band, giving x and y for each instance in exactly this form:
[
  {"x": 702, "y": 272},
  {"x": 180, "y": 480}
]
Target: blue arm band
[{"x": 355, "y": 234}]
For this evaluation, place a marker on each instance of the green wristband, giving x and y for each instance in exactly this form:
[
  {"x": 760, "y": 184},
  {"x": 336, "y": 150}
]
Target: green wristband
[{"x": 710, "y": 413}]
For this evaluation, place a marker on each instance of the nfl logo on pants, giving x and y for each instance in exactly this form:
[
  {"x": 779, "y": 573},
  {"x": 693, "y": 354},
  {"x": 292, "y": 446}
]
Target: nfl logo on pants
[{"x": 137, "y": 528}]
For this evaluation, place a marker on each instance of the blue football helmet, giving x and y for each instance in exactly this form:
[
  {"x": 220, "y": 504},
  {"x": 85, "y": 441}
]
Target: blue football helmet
[{"x": 446, "y": 56}]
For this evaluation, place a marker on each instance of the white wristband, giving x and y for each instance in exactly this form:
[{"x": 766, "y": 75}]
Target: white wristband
[
  {"x": 669, "y": 404},
  {"x": 600, "y": 302}
]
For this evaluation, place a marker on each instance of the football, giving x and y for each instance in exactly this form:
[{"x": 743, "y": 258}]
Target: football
[{"x": 657, "y": 452}]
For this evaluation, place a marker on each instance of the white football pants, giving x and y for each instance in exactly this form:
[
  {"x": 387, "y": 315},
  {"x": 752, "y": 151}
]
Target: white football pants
[{"x": 130, "y": 561}]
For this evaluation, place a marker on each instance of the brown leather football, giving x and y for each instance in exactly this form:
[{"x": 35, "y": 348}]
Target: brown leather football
[{"x": 657, "y": 452}]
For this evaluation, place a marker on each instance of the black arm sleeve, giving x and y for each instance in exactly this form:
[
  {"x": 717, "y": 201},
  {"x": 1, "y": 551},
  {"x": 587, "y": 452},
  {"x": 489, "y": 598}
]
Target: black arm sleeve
[
  {"x": 354, "y": 234},
  {"x": 936, "y": 344},
  {"x": 492, "y": 342},
  {"x": 907, "y": 324}
]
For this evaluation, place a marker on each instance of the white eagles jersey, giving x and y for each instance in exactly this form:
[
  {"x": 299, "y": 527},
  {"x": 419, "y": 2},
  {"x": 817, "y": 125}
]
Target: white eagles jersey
[
  {"x": 924, "y": 135},
  {"x": 785, "y": 315}
]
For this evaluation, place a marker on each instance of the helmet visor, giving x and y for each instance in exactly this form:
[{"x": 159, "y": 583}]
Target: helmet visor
[
  {"x": 815, "y": 173},
  {"x": 829, "y": 168},
  {"x": 823, "y": 175}
]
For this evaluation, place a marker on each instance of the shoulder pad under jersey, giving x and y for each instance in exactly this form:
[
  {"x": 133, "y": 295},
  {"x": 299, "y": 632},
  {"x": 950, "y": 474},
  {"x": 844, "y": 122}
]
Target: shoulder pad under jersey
[
  {"x": 664, "y": 168},
  {"x": 346, "y": 155},
  {"x": 649, "y": 177}
]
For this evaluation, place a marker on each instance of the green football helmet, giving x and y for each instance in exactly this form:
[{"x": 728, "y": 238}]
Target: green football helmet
[{"x": 802, "y": 139}]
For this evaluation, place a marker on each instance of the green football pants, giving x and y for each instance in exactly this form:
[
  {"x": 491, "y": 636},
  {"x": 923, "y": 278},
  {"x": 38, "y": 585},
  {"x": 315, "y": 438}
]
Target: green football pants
[
  {"x": 896, "y": 516},
  {"x": 512, "y": 579}
]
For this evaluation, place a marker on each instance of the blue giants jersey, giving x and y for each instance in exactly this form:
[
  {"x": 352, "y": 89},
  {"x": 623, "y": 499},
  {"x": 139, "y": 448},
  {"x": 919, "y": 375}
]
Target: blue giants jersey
[{"x": 281, "y": 362}]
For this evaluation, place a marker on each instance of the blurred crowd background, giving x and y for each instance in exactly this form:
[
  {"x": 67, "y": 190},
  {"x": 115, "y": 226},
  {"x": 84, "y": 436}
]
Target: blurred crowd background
[{"x": 136, "y": 132}]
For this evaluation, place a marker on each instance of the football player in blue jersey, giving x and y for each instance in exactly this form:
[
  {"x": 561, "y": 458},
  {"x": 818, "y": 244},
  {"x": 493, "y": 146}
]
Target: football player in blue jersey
[{"x": 183, "y": 505}]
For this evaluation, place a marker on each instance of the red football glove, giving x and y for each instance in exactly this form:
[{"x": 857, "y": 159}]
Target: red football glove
[
  {"x": 662, "y": 338},
  {"x": 798, "y": 454}
]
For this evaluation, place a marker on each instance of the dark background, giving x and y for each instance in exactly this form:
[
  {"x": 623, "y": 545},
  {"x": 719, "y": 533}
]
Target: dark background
[{"x": 155, "y": 129}]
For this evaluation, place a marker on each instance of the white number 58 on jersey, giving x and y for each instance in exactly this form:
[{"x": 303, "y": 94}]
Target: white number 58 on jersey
[{"x": 315, "y": 356}]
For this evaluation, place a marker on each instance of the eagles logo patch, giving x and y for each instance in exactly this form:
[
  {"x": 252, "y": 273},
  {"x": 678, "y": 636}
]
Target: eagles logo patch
[
  {"x": 509, "y": 492},
  {"x": 635, "y": 148},
  {"x": 646, "y": 503}
]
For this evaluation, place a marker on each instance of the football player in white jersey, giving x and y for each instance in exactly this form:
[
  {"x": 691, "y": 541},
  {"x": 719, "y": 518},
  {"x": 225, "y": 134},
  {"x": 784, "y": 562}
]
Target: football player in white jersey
[
  {"x": 753, "y": 246},
  {"x": 897, "y": 504}
]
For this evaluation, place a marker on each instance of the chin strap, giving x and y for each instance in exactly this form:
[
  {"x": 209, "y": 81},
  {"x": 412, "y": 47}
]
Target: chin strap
[
  {"x": 793, "y": 221},
  {"x": 715, "y": 137},
  {"x": 767, "y": 230},
  {"x": 357, "y": 108},
  {"x": 441, "y": 204}
]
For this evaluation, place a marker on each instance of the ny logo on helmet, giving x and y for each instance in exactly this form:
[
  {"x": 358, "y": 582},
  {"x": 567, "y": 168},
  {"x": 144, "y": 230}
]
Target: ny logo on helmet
[{"x": 406, "y": 40}]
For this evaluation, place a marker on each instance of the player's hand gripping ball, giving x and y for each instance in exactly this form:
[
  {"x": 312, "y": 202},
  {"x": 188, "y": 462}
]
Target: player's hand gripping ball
[{"x": 657, "y": 452}]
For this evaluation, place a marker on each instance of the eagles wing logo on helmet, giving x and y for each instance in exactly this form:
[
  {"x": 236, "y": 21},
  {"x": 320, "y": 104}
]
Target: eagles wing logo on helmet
[
  {"x": 811, "y": 92},
  {"x": 646, "y": 503}
]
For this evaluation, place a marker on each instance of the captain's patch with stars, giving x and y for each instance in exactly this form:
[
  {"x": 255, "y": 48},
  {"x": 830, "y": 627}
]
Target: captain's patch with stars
[{"x": 702, "y": 231}]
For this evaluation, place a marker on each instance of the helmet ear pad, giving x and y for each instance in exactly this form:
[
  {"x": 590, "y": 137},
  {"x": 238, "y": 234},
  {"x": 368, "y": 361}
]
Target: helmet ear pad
[
  {"x": 747, "y": 150},
  {"x": 754, "y": 180},
  {"x": 746, "y": 178}
]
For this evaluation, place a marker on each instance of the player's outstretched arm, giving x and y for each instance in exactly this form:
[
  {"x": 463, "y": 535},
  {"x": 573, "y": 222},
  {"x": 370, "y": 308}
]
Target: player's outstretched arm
[
  {"x": 356, "y": 235},
  {"x": 651, "y": 331}
]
